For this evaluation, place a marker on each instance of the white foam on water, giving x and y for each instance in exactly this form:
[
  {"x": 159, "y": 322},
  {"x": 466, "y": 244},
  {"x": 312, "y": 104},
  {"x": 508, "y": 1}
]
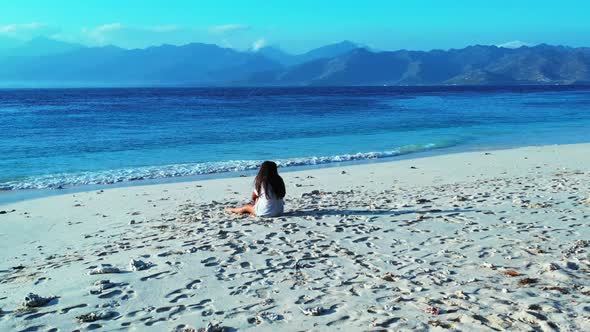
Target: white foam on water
[{"x": 58, "y": 181}]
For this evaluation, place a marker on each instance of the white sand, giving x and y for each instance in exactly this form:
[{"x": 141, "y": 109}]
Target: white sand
[{"x": 375, "y": 246}]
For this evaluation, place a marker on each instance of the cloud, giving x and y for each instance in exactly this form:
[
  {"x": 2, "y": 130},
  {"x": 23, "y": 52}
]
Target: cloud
[
  {"x": 258, "y": 44},
  {"x": 129, "y": 36},
  {"x": 228, "y": 28},
  {"x": 102, "y": 33},
  {"x": 514, "y": 44},
  {"x": 132, "y": 36},
  {"x": 164, "y": 28},
  {"x": 16, "y": 28},
  {"x": 109, "y": 27},
  {"x": 24, "y": 31}
]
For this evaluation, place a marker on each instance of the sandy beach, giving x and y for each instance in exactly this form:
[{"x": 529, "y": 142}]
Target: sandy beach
[{"x": 496, "y": 240}]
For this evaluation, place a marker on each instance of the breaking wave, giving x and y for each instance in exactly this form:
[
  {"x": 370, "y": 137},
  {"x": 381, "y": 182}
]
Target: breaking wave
[{"x": 62, "y": 180}]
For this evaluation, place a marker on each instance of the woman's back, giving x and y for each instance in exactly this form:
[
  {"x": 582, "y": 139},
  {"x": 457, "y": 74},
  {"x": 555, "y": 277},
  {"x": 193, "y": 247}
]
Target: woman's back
[{"x": 268, "y": 205}]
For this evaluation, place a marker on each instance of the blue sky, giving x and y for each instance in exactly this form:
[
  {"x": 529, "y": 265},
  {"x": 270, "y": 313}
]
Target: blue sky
[{"x": 297, "y": 26}]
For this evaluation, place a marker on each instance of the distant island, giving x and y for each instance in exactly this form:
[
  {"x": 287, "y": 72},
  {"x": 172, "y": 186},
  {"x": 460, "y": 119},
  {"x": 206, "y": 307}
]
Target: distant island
[{"x": 44, "y": 62}]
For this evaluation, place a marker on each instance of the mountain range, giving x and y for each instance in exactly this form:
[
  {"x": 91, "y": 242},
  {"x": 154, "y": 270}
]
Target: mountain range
[{"x": 46, "y": 62}]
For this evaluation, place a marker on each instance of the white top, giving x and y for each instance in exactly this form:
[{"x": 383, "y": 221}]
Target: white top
[{"x": 268, "y": 206}]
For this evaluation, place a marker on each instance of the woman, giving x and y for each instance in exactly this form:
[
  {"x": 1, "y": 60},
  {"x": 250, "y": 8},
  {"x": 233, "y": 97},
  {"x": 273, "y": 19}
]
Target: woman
[{"x": 269, "y": 191}]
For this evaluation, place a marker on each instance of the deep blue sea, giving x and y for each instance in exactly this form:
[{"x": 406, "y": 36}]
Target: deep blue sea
[{"x": 58, "y": 138}]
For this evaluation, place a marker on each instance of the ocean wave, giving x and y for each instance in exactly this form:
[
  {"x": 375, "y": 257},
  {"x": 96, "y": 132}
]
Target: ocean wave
[{"x": 62, "y": 180}]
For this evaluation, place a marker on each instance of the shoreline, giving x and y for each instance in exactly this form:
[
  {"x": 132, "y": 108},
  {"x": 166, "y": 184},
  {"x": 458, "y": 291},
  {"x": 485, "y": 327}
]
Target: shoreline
[
  {"x": 470, "y": 241},
  {"x": 14, "y": 196}
]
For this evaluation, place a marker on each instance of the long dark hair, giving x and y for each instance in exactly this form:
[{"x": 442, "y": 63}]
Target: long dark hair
[{"x": 269, "y": 175}]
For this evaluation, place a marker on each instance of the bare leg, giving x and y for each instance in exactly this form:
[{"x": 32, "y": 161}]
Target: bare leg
[{"x": 248, "y": 208}]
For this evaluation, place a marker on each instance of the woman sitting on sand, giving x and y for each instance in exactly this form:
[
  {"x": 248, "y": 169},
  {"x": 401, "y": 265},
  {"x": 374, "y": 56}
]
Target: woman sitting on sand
[{"x": 268, "y": 194}]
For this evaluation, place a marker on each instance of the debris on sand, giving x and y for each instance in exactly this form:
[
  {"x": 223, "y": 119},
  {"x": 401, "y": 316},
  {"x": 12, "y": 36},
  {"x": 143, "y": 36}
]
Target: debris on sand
[
  {"x": 432, "y": 311},
  {"x": 269, "y": 316},
  {"x": 102, "y": 285},
  {"x": 551, "y": 267},
  {"x": 557, "y": 289},
  {"x": 214, "y": 328},
  {"x": 34, "y": 301},
  {"x": 139, "y": 265},
  {"x": 460, "y": 198},
  {"x": 312, "y": 193},
  {"x": 528, "y": 281},
  {"x": 511, "y": 273},
  {"x": 461, "y": 295},
  {"x": 96, "y": 315},
  {"x": 422, "y": 201},
  {"x": 104, "y": 269},
  {"x": 389, "y": 277},
  {"x": 438, "y": 323},
  {"x": 315, "y": 311},
  {"x": 538, "y": 205},
  {"x": 577, "y": 247}
]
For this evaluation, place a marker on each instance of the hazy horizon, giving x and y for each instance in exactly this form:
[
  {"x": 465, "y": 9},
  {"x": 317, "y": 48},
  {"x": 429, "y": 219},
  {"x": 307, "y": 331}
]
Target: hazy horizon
[{"x": 297, "y": 27}]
